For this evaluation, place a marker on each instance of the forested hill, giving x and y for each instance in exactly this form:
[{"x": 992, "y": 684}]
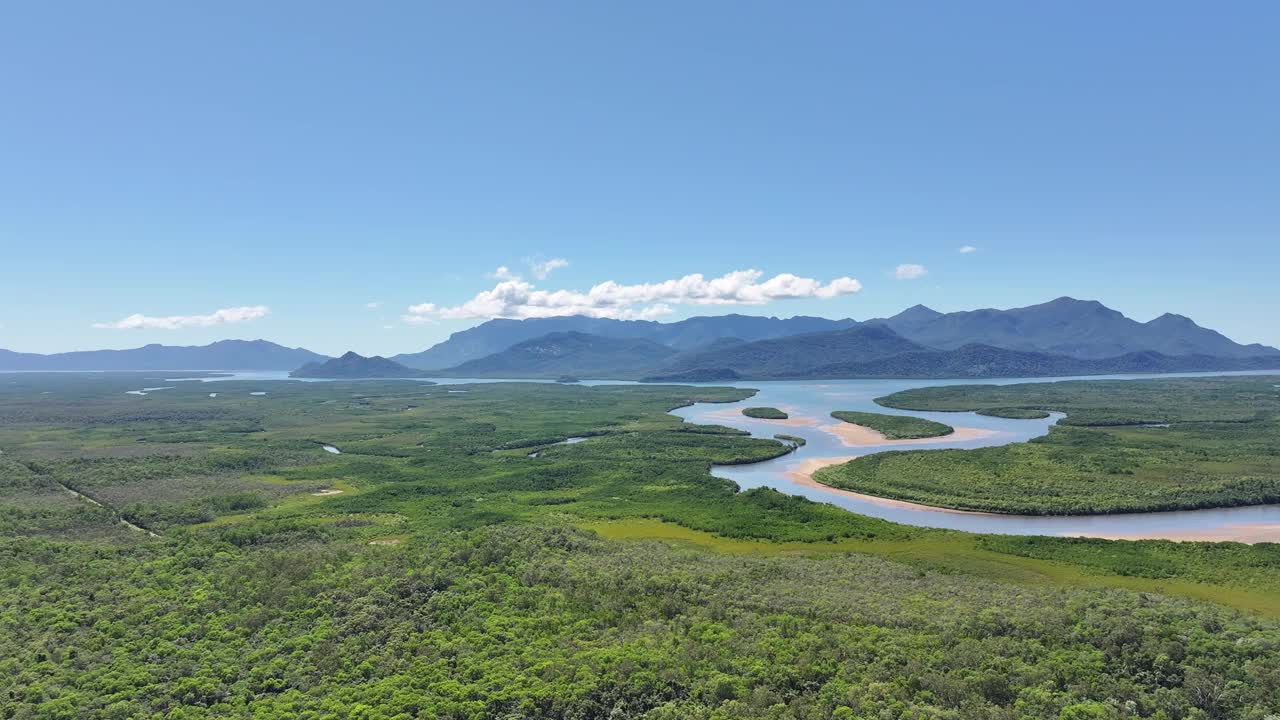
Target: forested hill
[
  {"x": 792, "y": 356},
  {"x": 569, "y": 353},
  {"x": 354, "y": 366}
]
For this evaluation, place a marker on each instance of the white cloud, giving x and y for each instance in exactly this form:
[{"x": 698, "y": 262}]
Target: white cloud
[
  {"x": 966, "y": 249},
  {"x": 225, "y": 316},
  {"x": 520, "y": 299},
  {"x": 503, "y": 273},
  {"x": 373, "y": 305},
  {"x": 542, "y": 268},
  {"x": 910, "y": 271}
]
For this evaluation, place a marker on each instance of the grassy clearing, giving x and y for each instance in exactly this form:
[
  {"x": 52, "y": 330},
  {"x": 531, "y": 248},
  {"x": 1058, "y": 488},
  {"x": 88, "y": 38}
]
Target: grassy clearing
[{"x": 1246, "y": 582}]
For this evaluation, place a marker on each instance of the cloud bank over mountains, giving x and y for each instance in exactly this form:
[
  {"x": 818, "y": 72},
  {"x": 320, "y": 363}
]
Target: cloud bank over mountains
[
  {"x": 225, "y": 316},
  {"x": 515, "y": 298}
]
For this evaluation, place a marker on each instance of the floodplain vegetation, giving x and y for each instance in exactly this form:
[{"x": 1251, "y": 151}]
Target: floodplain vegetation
[
  {"x": 1124, "y": 446},
  {"x": 895, "y": 427},
  {"x": 433, "y": 569}
]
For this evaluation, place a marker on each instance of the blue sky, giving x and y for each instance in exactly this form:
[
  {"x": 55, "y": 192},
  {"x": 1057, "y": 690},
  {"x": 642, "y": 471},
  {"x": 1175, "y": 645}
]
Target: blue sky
[{"x": 175, "y": 159}]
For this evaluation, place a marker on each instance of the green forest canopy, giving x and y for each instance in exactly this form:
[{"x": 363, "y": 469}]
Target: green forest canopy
[{"x": 452, "y": 577}]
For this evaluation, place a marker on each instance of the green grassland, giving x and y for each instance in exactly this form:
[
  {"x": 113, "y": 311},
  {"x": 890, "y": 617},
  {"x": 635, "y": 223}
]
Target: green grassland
[
  {"x": 895, "y": 427},
  {"x": 454, "y": 576},
  {"x": 764, "y": 413},
  {"x": 1124, "y": 446}
]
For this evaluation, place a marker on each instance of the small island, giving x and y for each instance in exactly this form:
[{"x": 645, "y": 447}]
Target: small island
[
  {"x": 353, "y": 366},
  {"x": 764, "y": 413},
  {"x": 895, "y": 427},
  {"x": 1015, "y": 413}
]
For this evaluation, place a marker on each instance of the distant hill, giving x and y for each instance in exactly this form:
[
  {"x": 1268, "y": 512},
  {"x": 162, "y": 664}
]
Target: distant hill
[
  {"x": 697, "y": 375},
  {"x": 354, "y": 366},
  {"x": 1066, "y": 326},
  {"x": 784, "y": 357},
  {"x": 498, "y": 335},
  {"x": 569, "y": 353},
  {"x": 221, "y": 355}
]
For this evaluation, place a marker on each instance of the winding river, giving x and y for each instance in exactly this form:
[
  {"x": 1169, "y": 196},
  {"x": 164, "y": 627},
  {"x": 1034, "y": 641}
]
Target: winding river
[{"x": 809, "y": 404}]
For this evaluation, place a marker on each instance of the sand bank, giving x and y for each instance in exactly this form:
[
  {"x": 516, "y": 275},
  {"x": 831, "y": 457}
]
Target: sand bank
[
  {"x": 859, "y": 436},
  {"x": 803, "y": 475},
  {"x": 1248, "y": 533},
  {"x": 736, "y": 414}
]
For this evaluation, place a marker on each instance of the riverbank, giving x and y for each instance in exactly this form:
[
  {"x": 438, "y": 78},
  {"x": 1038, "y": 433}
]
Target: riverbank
[
  {"x": 861, "y": 436},
  {"x": 1246, "y": 532},
  {"x": 803, "y": 475}
]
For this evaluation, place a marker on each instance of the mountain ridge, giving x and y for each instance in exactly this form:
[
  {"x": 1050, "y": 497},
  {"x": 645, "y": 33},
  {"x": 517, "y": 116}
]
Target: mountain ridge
[
  {"x": 568, "y": 353},
  {"x": 219, "y": 355},
  {"x": 1067, "y": 326},
  {"x": 1082, "y": 329},
  {"x": 496, "y": 335}
]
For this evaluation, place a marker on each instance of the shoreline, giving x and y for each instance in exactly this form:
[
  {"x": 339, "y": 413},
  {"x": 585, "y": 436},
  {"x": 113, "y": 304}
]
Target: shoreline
[
  {"x": 803, "y": 475},
  {"x": 1248, "y": 533},
  {"x": 736, "y": 414},
  {"x": 861, "y": 436}
]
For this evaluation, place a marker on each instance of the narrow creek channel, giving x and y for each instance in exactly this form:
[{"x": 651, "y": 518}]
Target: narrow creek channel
[{"x": 121, "y": 518}]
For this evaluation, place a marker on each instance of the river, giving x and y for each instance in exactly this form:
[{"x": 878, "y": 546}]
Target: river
[
  {"x": 812, "y": 402},
  {"x": 815, "y": 399}
]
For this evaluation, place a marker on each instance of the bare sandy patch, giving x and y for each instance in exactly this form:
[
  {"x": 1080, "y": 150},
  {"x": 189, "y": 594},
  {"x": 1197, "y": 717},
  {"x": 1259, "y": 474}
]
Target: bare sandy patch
[
  {"x": 860, "y": 436},
  {"x": 792, "y": 419},
  {"x": 327, "y": 491},
  {"x": 386, "y": 541}
]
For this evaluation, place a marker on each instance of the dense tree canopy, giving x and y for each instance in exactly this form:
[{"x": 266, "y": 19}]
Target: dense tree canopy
[{"x": 433, "y": 569}]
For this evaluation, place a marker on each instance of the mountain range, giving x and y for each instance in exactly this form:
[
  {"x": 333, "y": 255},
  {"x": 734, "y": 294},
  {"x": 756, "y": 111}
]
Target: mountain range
[
  {"x": 860, "y": 353},
  {"x": 221, "y": 355},
  {"x": 1061, "y": 337},
  {"x": 570, "y": 353},
  {"x": 497, "y": 335},
  {"x": 1066, "y": 326}
]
